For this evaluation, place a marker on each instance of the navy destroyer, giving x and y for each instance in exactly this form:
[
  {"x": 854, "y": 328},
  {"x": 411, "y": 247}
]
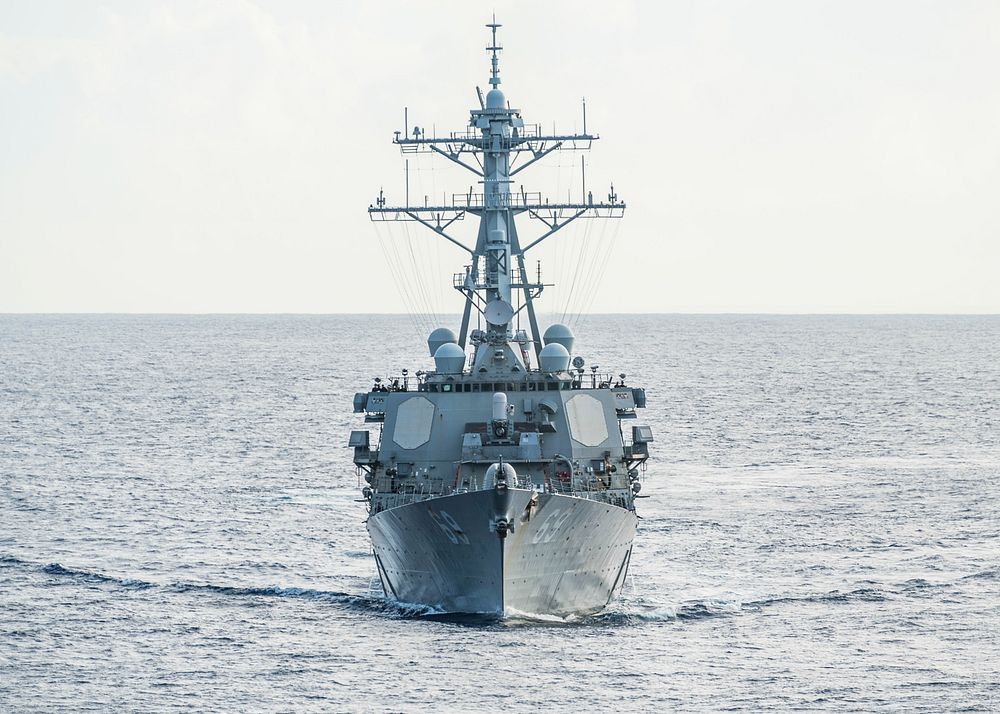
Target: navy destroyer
[{"x": 504, "y": 480}]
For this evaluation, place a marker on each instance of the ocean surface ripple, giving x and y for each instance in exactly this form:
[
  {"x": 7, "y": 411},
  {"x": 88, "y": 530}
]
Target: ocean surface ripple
[{"x": 180, "y": 525}]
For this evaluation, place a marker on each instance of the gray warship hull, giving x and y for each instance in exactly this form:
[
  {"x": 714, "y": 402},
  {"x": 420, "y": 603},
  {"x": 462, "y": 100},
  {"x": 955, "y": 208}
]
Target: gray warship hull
[
  {"x": 502, "y": 481},
  {"x": 564, "y": 555}
]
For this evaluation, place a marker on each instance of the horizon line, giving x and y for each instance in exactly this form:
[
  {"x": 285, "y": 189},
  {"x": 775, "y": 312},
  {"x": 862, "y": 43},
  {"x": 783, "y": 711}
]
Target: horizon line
[{"x": 458, "y": 314}]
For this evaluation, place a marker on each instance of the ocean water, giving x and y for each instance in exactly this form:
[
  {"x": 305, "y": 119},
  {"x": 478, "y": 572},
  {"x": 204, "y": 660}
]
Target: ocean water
[{"x": 180, "y": 525}]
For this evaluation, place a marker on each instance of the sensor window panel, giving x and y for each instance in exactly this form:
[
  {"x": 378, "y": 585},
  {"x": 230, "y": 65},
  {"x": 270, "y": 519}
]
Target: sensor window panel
[
  {"x": 414, "y": 419},
  {"x": 587, "y": 424}
]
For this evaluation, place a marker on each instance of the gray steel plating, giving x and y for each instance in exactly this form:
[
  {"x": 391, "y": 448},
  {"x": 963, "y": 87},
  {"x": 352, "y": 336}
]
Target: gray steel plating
[{"x": 562, "y": 555}]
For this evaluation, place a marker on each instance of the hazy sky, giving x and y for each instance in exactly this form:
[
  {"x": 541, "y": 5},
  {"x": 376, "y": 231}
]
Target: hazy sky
[{"x": 776, "y": 156}]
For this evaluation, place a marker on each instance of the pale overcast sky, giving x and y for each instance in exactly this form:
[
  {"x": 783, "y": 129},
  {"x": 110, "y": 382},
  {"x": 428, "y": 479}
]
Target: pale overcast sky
[{"x": 776, "y": 156}]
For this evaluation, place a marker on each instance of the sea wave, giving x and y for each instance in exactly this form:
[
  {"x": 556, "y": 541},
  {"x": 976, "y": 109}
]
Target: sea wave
[
  {"x": 369, "y": 602},
  {"x": 93, "y": 577}
]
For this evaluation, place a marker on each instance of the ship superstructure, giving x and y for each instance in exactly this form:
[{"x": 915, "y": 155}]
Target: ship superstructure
[{"x": 503, "y": 480}]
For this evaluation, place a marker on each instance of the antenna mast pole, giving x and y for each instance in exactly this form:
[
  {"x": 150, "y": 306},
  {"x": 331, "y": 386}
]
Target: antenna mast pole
[{"x": 496, "y": 139}]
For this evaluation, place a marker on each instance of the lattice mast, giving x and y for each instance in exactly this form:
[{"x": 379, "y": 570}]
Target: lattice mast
[{"x": 501, "y": 146}]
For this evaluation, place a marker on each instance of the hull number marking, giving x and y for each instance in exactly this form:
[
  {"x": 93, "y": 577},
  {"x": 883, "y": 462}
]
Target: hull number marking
[
  {"x": 550, "y": 526},
  {"x": 449, "y": 525}
]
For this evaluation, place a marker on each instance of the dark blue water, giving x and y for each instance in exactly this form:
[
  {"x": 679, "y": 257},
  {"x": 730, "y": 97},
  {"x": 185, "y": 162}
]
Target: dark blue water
[{"x": 179, "y": 525}]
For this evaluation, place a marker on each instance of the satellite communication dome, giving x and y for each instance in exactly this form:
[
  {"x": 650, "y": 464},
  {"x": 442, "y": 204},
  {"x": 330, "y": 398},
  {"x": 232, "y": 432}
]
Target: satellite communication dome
[
  {"x": 553, "y": 358},
  {"x": 438, "y": 337},
  {"x": 559, "y": 335},
  {"x": 495, "y": 99},
  {"x": 449, "y": 358}
]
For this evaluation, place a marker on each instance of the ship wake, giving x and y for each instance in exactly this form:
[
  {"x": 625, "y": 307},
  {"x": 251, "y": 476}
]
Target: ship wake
[
  {"x": 370, "y": 602},
  {"x": 630, "y": 611}
]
